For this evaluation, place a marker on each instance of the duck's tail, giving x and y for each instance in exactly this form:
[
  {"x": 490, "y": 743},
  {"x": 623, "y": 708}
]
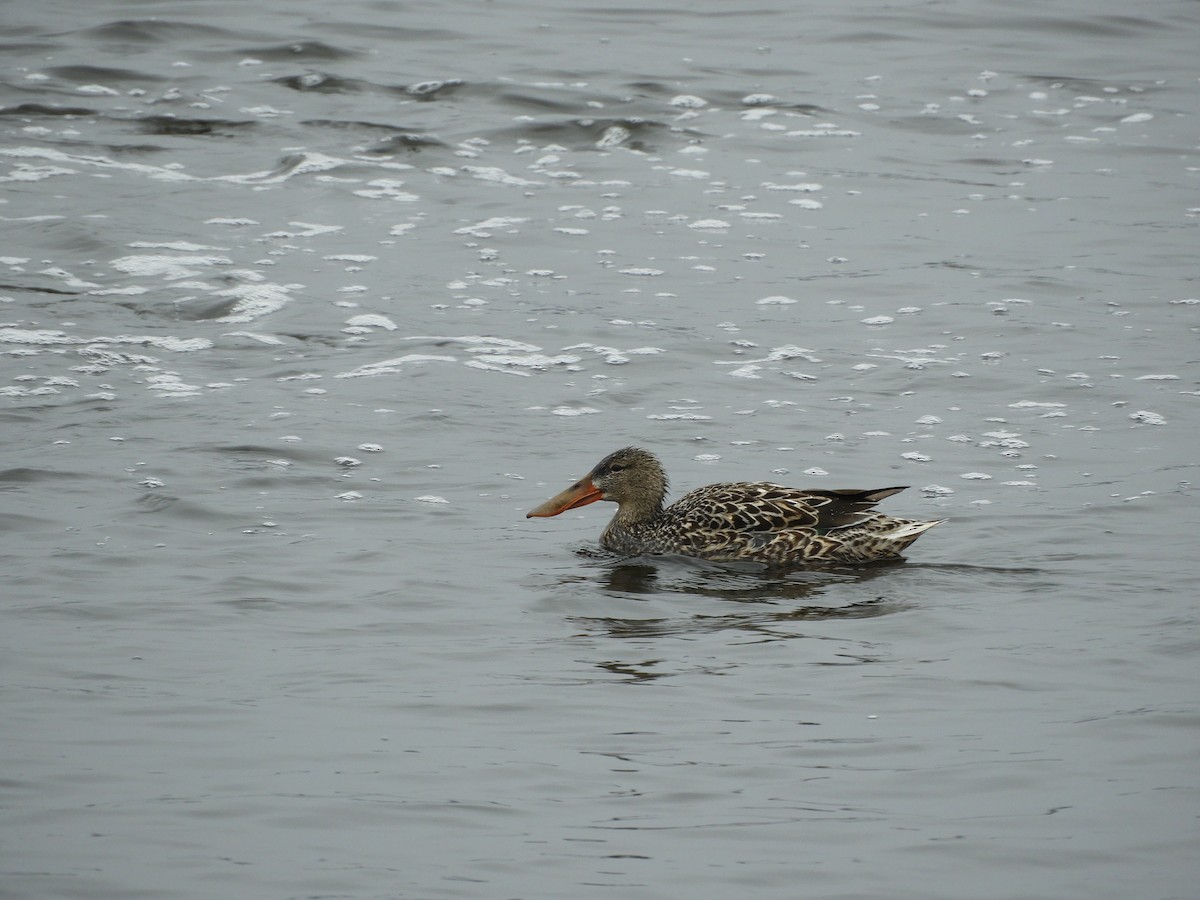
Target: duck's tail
[{"x": 905, "y": 532}]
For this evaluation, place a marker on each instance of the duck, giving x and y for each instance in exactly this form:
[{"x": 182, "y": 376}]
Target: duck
[{"x": 754, "y": 521}]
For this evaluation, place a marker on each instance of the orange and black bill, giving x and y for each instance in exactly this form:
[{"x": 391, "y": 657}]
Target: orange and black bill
[{"x": 581, "y": 493}]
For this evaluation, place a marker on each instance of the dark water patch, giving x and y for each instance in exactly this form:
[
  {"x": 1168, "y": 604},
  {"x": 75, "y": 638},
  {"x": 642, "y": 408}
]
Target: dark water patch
[
  {"x": 766, "y": 624},
  {"x": 635, "y": 671},
  {"x": 386, "y": 34},
  {"x": 653, "y": 89},
  {"x": 1098, "y": 26},
  {"x": 101, "y": 74},
  {"x": 155, "y": 502},
  {"x": 1093, "y": 86},
  {"x": 23, "y": 475},
  {"x": 949, "y": 264},
  {"x": 318, "y": 338},
  {"x": 39, "y": 289},
  {"x": 60, "y": 235},
  {"x": 586, "y": 133},
  {"x": 252, "y": 449},
  {"x": 146, "y": 31},
  {"x": 258, "y": 592},
  {"x": 180, "y": 125},
  {"x": 303, "y": 50},
  {"x": 862, "y": 38},
  {"x": 14, "y": 48},
  {"x": 431, "y": 90},
  {"x": 538, "y": 102},
  {"x": 128, "y": 151},
  {"x": 405, "y": 142},
  {"x": 321, "y": 83},
  {"x": 255, "y": 604},
  {"x": 991, "y": 163},
  {"x": 609, "y": 14},
  {"x": 73, "y": 609},
  {"x": 978, "y": 573},
  {"x": 183, "y": 512},
  {"x": 390, "y": 138},
  {"x": 20, "y": 524},
  {"x": 1079, "y": 27},
  {"x": 357, "y": 125},
  {"x": 39, "y": 110},
  {"x": 394, "y": 139}
]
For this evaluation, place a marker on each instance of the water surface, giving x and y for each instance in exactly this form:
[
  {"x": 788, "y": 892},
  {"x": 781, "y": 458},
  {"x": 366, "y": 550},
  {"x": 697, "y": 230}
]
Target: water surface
[{"x": 303, "y": 308}]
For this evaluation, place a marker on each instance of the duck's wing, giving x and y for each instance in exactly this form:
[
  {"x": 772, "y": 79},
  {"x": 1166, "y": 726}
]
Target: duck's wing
[{"x": 750, "y": 507}]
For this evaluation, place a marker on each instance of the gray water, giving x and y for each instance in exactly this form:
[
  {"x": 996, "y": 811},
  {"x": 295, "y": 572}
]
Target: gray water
[{"x": 304, "y": 305}]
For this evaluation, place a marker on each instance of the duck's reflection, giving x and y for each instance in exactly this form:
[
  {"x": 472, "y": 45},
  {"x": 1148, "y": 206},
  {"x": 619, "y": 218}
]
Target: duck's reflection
[
  {"x": 767, "y": 601},
  {"x": 746, "y": 582}
]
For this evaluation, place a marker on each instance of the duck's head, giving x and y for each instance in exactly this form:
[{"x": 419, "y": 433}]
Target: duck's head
[{"x": 632, "y": 478}]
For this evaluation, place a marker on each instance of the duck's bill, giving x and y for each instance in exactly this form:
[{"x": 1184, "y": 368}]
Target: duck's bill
[{"x": 579, "y": 494}]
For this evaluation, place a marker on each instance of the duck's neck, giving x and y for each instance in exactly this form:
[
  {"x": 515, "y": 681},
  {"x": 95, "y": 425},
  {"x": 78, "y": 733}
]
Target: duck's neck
[
  {"x": 632, "y": 529},
  {"x": 638, "y": 511}
]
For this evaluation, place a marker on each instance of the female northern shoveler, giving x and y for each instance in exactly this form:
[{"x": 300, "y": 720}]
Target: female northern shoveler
[{"x": 756, "y": 521}]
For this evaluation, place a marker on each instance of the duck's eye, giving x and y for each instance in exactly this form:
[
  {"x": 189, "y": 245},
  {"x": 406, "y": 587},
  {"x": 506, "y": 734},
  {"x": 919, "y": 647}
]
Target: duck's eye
[{"x": 616, "y": 468}]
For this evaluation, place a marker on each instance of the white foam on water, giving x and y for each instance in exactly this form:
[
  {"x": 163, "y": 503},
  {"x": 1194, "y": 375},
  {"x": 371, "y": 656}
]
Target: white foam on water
[
  {"x": 168, "y": 268},
  {"x": 386, "y": 189},
  {"x": 232, "y": 221},
  {"x": 305, "y": 163},
  {"x": 747, "y": 371},
  {"x": 25, "y": 172},
  {"x": 824, "y": 132},
  {"x": 268, "y": 339},
  {"x": 1145, "y": 417},
  {"x": 372, "y": 320},
  {"x": 99, "y": 162},
  {"x": 498, "y": 176},
  {"x": 485, "y": 228},
  {"x": 393, "y": 366},
  {"x": 523, "y": 361},
  {"x": 37, "y": 336},
  {"x": 256, "y": 300}
]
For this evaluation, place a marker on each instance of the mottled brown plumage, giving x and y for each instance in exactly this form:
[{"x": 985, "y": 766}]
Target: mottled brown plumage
[{"x": 757, "y": 521}]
